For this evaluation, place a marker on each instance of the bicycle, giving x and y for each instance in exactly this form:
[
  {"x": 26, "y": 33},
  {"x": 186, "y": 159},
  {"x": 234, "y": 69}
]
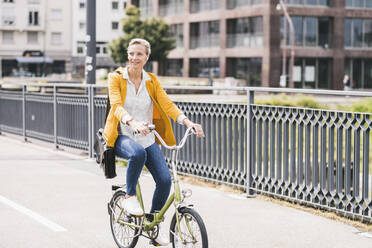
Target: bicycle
[{"x": 187, "y": 228}]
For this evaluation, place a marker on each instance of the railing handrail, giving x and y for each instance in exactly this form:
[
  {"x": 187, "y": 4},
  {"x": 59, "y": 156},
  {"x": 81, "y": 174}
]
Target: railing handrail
[{"x": 210, "y": 88}]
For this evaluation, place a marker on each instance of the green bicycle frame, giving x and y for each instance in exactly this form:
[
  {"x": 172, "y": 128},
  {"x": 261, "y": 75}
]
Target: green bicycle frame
[
  {"x": 175, "y": 198},
  {"x": 158, "y": 217}
]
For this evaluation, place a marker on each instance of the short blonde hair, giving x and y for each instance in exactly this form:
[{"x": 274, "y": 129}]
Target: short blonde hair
[{"x": 142, "y": 42}]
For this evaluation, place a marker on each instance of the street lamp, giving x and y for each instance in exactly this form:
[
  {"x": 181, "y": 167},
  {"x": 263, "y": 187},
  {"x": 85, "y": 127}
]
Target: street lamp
[{"x": 279, "y": 6}]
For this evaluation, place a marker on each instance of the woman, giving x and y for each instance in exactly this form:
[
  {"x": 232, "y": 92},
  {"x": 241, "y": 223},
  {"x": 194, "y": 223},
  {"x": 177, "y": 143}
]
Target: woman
[{"x": 137, "y": 100}]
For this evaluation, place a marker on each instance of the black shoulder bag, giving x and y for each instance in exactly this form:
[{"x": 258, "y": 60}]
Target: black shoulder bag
[{"x": 105, "y": 155}]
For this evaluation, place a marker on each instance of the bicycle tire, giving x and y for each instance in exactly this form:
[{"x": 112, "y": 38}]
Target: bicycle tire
[
  {"x": 116, "y": 207},
  {"x": 199, "y": 237}
]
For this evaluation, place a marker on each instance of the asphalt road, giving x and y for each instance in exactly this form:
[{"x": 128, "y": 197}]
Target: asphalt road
[{"x": 52, "y": 199}]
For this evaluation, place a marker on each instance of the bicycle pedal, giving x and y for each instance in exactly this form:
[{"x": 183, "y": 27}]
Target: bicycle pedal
[{"x": 154, "y": 243}]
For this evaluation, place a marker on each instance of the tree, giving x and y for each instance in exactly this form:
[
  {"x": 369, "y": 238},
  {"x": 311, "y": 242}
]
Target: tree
[{"x": 155, "y": 31}]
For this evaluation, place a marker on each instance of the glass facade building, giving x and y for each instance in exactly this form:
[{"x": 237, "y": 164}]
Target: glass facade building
[{"x": 245, "y": 39}]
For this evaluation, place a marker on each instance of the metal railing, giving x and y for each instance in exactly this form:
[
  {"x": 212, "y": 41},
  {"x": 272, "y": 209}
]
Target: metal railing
[{"x": 317, "y": 157}]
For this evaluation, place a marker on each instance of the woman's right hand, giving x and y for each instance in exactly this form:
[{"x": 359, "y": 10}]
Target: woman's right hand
[{"x": 139, "y": 127}]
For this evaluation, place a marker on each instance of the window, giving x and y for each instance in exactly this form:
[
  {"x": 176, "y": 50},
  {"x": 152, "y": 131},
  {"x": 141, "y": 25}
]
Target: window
[
  {"x": 358, "y": 32},
  {"x": 245, "y": 68},
  {"x": 360, "y": 72},
  {"x": 202, "y": 5},
  {"x": 125, "y": 5},
  {"x": 205, "y": 68},
  {"x": 80, "y": 47},
  {"x": 146, "y": 8},
  {"x": 8, "y": 20},
  {"x": 8, "y": 37},
  {"x": 8, "y": 1},
  {"x": 33, "y": 18},
  {"x": 176, "y": 30},
  {"x": 311, "y": 72},
  {"x": 56, "y": 38},
  {"x": 82, "y": 25},
  {"x": 80, "y": 50},
  {"x": 101, "y": 48},
  {"x": 246, "y": 32},
  {"x": 232, "y": 4},
  {"x": 205, "y": 34},
  {"x": 81, "y": 5},
  {"x": 32, "y": 37},
  {"x": 115, "y": 5},
  {"x": 358, "y": 4},
  {"x": 170, "y": 7},
  {"x": 56, "y": 14},
  {"x": 310, "y": 31},
  {"x": 173, "y": 67},
  {"x": 310, "y": 2},
  {"x": 115, "y": 25},
  {"x": 8, "y": 16}
]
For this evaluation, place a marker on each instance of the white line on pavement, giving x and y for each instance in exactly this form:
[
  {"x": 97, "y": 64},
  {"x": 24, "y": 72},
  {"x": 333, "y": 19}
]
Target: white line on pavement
[
  {"x": 366, "y": 234},
  {"x": 42, "y": 220}
]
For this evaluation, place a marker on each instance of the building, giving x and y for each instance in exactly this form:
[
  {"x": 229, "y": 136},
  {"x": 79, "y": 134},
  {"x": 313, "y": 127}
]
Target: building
[
  {"x": 108, "y": 27},
  {"x": 244, "y": 39},
  {"x": 35, "y": 37}
]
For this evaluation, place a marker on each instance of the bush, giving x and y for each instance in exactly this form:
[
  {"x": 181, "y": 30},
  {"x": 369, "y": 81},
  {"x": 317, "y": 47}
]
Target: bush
[
  {"x": 291, "y": 101},
  {"x": 364, "y": 106}
]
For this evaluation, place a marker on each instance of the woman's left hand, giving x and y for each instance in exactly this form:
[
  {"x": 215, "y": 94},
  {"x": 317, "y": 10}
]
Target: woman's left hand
[{"x": 198, "y": 129}]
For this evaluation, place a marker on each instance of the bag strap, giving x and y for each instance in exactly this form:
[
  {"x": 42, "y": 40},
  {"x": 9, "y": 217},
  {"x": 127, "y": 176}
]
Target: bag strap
[{"x": 108, "y": 106}]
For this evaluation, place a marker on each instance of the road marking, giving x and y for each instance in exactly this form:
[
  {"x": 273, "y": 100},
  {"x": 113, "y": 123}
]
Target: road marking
[
  {"x": 239, "y": 197},
  {"x": 366, "y": 234},
  {"x": 42, "y": 220}
]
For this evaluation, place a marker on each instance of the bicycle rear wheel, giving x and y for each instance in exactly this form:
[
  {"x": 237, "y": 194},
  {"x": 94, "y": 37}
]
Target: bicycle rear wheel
[
  {"x": 192, "y": 231},
  {"x": 125, "y": 236}
]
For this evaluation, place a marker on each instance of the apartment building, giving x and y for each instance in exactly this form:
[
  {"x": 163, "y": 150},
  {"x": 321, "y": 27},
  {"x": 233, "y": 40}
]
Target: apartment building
[
  {"x": 35, "y": 37},
  {"x": 244, "y": 39},
  {"x": 109, "y": 15}
]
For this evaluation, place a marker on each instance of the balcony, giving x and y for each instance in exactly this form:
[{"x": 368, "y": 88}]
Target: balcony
[
  {"x": 244, "y": 40},
  {"x": 211, "y": 40}
]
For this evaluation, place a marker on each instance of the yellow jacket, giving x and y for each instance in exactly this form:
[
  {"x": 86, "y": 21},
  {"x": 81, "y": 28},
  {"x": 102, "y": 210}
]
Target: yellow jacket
[{"x": 163, "y": 107}]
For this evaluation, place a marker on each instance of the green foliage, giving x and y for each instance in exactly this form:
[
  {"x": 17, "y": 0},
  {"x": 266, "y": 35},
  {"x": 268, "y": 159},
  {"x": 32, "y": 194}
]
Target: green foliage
[
  {"x": 364, "y": 106},
  {"x": 291, "y": 101},
  {"x": 155, "y": 31}
]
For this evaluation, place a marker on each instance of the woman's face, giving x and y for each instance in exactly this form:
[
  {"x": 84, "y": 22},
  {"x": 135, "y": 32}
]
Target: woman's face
[{"x": 137, "y": 56}]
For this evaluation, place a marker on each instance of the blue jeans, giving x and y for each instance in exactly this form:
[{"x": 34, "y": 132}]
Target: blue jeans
[{"x": 153, "y": 158}]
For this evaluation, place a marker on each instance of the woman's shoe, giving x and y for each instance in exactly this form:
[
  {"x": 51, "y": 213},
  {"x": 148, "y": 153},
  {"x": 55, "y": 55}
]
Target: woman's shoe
[
  {"x": 163, "y": 235},
  {"x": 132, "y": 206}
]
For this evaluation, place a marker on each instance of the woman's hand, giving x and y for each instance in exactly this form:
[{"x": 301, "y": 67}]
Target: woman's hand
[
  {"x": 139, "y": 127},
  {"x": 198, "y": 129}
]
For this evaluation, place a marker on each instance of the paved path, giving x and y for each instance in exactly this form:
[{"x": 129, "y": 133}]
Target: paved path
[{"x": 52, "y": 199}]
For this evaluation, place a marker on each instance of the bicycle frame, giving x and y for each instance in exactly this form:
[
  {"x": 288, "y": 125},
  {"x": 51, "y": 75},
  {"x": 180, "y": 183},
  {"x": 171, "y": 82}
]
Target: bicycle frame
[{"x": 175, "y": 197}]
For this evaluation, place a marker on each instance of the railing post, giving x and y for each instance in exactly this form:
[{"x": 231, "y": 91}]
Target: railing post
[
  {"x": 90, "y": 120},
  {"x": 250, "y": 101},
  {"x": 24, "y": 88},
  {"x": 93, "y": 93},
  {"x": 55, "y": 115}
]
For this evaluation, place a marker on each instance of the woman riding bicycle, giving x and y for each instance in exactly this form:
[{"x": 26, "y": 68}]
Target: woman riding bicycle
[{"x": 137, "y": 100}]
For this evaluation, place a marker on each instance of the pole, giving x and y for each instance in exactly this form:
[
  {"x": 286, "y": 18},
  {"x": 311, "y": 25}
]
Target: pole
[
  {"x": 90, "y": 59},
  {"x": 291, "y": 27},
  {"x": 284, "y": 68}
]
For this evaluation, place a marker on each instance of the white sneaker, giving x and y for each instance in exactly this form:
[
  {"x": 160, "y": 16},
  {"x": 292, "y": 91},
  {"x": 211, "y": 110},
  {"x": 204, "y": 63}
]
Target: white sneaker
[
  {"x": 163, "y": 235},
  {"x": 132, "y": 206}
]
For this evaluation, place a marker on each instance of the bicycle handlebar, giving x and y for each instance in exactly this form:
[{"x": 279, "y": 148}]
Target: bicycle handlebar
[{"x": 174, "y": 147}]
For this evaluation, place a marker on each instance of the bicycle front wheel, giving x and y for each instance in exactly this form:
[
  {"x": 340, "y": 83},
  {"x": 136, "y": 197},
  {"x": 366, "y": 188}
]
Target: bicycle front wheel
[
  {"x": 125, "y": 236},
  {"x": 191, "y": 232}
]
